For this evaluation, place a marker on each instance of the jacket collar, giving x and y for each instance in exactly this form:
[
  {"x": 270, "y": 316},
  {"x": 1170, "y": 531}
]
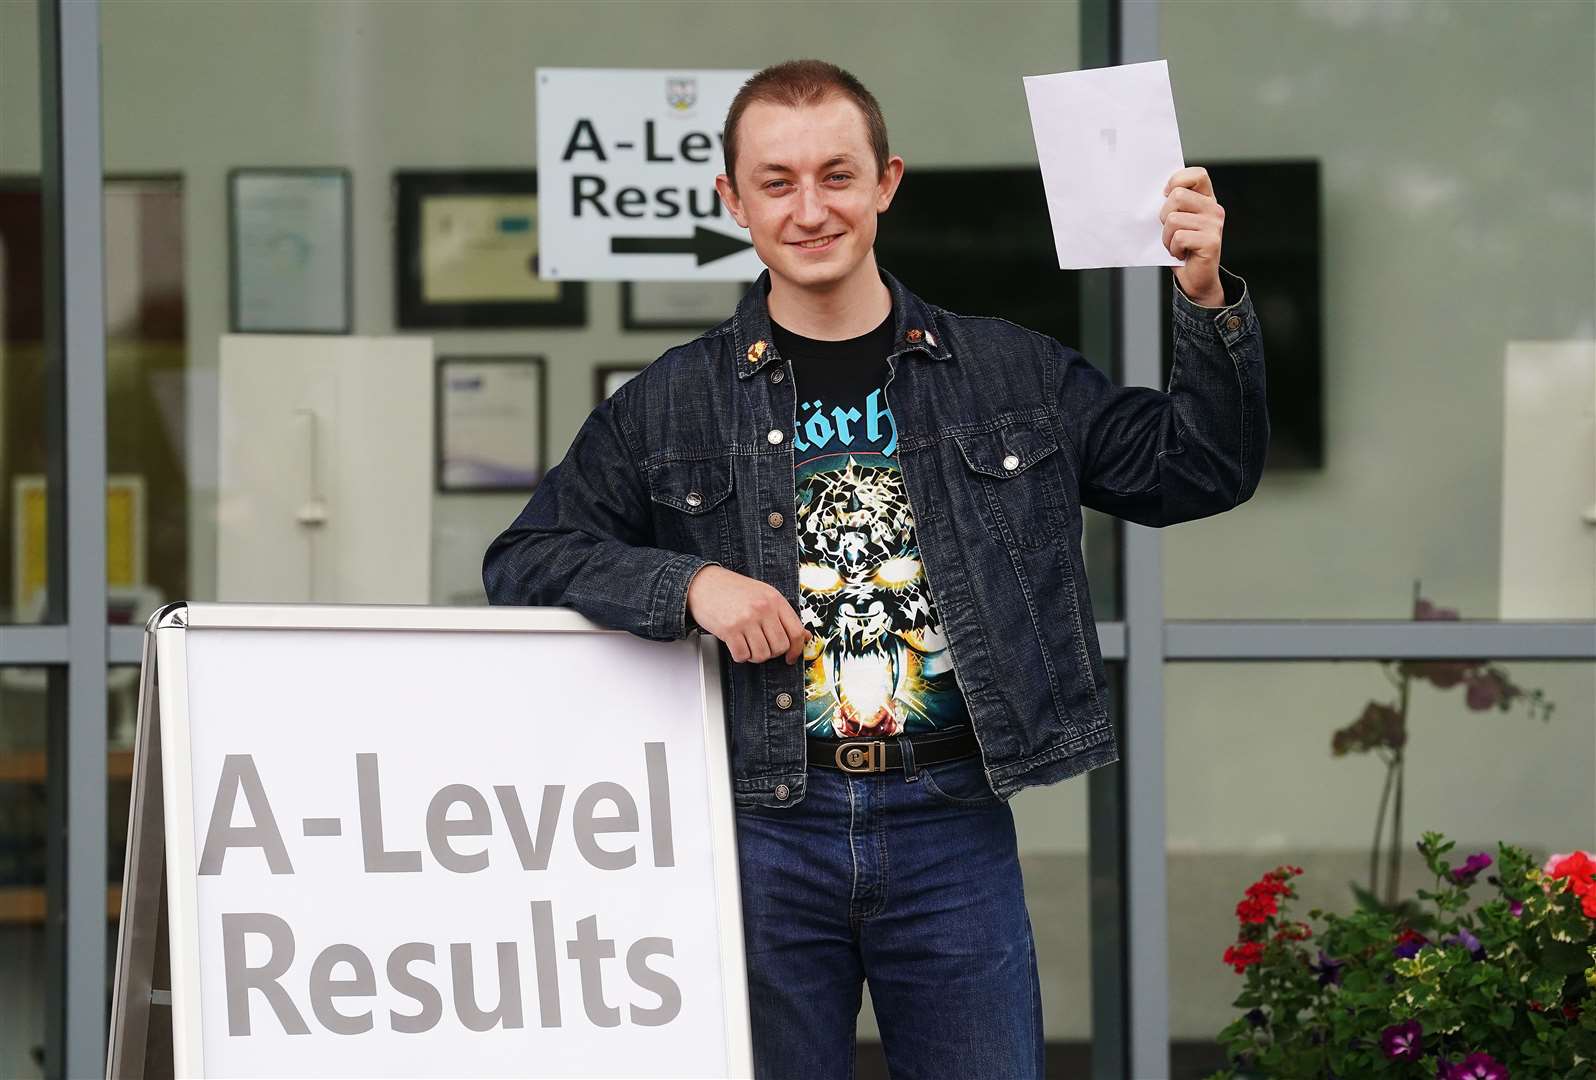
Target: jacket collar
[{"x": 913, "y": 328}]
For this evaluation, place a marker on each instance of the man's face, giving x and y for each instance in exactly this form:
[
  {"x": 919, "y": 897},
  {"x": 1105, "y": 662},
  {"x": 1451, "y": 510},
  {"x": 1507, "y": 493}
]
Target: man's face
[{"x": 807, "y": 189}]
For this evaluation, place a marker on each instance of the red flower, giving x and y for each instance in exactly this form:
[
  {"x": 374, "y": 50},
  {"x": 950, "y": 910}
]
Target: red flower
[
  {"x": 1580, "y": 871},
  {"x": 1578, "y": 866},
  {"x": 1256, "y": 909},
  {"x": 1244, "y": 954}
]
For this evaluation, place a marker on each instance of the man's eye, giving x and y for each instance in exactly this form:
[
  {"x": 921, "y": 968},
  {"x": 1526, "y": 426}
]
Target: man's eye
[
  {"x": 839, "y": 176},
  {"x": 773, "y": 183}
]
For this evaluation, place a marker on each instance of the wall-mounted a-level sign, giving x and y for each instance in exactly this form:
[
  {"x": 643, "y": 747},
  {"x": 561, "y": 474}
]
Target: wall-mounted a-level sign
[{"x": 627, "y": 161}]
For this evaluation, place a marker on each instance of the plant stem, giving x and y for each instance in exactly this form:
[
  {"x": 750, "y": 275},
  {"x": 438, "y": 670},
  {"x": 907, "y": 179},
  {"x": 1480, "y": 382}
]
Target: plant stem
[
  {"x": 1379, "y": 827},
  {"x": 1393, "y": 877}
]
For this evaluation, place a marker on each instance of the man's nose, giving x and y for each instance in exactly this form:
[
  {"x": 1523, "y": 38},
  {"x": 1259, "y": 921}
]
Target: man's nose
[{"x": 811, "y": 209}]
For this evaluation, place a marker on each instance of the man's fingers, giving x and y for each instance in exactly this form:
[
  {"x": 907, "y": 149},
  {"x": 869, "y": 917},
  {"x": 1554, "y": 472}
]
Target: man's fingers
[
  {"x": 1187, "y": 199},
  {"x": 797, "y": 636},
  {"x": 1194, "y": 177},
  {"x": 759, "y": 643},
  {"x": 775, "y": 637}
]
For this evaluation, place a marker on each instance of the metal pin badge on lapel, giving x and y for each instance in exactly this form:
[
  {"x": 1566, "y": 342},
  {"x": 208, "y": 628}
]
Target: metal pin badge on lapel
[{"x": 756, "y": 350}]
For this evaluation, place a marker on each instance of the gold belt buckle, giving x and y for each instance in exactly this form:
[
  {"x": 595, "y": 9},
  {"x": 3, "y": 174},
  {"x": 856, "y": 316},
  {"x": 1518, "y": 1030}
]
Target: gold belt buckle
[{"x": 862, "y": 757}]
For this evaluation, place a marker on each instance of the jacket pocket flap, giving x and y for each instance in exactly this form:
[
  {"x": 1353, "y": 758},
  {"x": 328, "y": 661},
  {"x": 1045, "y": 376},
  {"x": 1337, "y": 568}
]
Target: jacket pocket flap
[
  {"x": 690, "y": 486},
  {"x": 1009, "y": 450}
]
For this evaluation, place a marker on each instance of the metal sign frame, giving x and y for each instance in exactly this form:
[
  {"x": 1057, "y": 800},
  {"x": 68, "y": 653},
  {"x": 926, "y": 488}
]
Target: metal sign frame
[{"x": 159, "y": 896}]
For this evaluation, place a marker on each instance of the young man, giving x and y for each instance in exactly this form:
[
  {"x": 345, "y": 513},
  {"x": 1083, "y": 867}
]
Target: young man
[{"x": 897, "y": 586}]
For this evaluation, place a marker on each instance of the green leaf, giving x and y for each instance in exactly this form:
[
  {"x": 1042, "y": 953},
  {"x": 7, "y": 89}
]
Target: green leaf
[{"x": 1564, "y": 958}]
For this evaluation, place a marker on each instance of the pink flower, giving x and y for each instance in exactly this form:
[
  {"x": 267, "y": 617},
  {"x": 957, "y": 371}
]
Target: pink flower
[{"x": 1479, "y": 1066}]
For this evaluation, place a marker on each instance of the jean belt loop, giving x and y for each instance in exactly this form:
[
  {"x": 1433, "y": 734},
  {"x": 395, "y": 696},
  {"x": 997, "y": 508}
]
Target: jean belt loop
[{"x": 911, "y": 773}]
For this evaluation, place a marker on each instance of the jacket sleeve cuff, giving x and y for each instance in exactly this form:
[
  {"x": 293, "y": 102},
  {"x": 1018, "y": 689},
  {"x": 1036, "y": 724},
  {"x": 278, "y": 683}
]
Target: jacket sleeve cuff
[
  {"x": 670, "y": 621},
  {"x": 1228, "y": 322}
]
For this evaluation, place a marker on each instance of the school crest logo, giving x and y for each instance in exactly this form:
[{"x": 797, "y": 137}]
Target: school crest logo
[{"x": 681, "y": 94}]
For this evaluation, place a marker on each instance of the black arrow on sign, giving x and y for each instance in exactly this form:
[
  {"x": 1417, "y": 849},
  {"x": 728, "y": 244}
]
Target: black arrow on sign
[{"x": 706, "y": 245}]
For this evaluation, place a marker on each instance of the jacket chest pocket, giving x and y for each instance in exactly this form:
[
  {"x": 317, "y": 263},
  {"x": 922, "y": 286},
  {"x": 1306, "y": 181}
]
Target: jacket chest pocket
[
  {"x": 690, "y": 498},
  {"x": 1014, "y": 477}
]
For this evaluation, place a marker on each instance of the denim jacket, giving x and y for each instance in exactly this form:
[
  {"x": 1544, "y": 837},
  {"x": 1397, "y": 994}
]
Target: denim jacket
[{"x": 1003, "y": 436}]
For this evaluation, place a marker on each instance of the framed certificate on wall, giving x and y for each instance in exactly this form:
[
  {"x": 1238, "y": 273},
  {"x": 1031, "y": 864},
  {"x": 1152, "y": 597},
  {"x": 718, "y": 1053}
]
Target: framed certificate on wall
[
  {"x": 468, "y": 253},
  {"x": 678, "y": 305},
  {"x": 289, "y": 251},
  {"x": 492, "y": 429},
  {"x": 607, "y": 377}
]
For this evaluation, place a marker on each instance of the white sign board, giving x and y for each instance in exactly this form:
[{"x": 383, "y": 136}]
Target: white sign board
[
  {"x": 413, "y": 842},
  {"x": 627, "y": 161}
]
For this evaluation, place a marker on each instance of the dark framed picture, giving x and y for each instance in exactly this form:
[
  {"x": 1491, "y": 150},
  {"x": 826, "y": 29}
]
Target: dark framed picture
[
  {"x": 492, "y": 414},
  {"x": 606, "y": 377},
  {"x": 466, "y": 256},
  {"x": 678, "y": 305},
  {"x": 289, "y": 251}
]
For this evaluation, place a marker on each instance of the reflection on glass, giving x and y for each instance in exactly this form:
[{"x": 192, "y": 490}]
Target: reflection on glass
[
  {"x": 1455, "y": 316},
  {"x": 22, "y": 303},
  {"x": 24, "y": 826},
  {"x": 1340, "y": 768},
  {"x": 146, "y": 494},
  {"x": 182, "y": 88}
]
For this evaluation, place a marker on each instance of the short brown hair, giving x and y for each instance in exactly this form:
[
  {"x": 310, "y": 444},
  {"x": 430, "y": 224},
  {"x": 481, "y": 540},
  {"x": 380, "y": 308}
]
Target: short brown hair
[{"x": 796, "y": 83}]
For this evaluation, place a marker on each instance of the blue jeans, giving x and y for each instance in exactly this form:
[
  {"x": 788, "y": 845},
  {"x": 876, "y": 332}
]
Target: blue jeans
[{"x": 910, "y": 879}]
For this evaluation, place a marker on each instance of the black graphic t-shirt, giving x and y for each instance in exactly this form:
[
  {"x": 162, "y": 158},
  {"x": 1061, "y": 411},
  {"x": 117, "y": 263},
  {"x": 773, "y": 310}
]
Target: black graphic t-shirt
[{"x": 878, "y": 663}]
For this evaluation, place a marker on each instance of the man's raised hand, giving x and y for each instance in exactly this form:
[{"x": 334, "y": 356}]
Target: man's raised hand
[{"x": 1194, "y": 225}]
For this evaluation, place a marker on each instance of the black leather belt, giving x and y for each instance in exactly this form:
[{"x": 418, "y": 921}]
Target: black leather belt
[{"x": 879, "y": 755}]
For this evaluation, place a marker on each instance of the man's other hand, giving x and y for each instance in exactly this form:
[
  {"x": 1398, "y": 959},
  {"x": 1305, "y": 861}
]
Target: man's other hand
[
  {"x": 752, "y": 618},
  {"x": 1194, "y": 224}
]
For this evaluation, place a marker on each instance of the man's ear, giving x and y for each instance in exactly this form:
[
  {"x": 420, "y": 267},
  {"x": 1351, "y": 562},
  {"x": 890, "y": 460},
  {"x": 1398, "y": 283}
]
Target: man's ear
[
  {"x": 724, "y": 189},
  {"x": 887, "y": 185}
]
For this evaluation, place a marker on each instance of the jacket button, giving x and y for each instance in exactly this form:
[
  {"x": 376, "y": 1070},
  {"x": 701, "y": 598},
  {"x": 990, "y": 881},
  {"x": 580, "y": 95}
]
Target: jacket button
[
  {"x": 915, "y": 335},
  {"x": 694, "y": 499},
  {"x": 784, "y": 700},
  {"x": 782, "y": 791},
  {"x": 1011, "y": 463},
  {"x": 1234, "y": 322},
  {"x": 776, "y": 374},
  {"x": 775, "y": 436},
  {"x": 775, "y": 519}
]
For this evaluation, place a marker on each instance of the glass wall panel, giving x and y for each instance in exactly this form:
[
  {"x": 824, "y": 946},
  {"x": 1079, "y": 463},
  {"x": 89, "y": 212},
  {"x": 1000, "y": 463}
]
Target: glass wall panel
[
  {"x": 193, "y": 92},
  {"x": 1273, "y": 764},
  {"x": 23, "y": 555},
  {"x": 25, "y": 949},
  {"x": 1411, "y": 193}
]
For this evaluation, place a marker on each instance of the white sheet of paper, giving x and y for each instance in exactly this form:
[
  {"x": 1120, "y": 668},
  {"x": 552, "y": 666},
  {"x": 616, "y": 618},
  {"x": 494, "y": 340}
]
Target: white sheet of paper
[{"x": 1107, "y": 141}]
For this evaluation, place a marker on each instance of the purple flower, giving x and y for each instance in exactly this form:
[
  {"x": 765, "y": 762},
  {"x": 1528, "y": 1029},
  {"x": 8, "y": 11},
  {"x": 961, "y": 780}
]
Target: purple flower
[
  {"x": 1465, "y": 874},
  {"x": 1328, "y": 970},
  {"x": 1409, "y": 944},
  {"x": 1257, "y": 1018},
  {"x": 1468, "y": 941},
  {"x": 1516, "y": 907},
  {"x": 1479, "y": 1066},
  {"x": 1403, "y": 1042}
]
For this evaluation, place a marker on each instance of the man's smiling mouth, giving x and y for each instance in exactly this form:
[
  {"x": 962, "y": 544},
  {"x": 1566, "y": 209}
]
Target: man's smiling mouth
[{"x": 818, "y": 242}]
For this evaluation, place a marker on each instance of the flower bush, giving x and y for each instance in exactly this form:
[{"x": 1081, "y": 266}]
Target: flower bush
[{"x": 1503, "y": 992}]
